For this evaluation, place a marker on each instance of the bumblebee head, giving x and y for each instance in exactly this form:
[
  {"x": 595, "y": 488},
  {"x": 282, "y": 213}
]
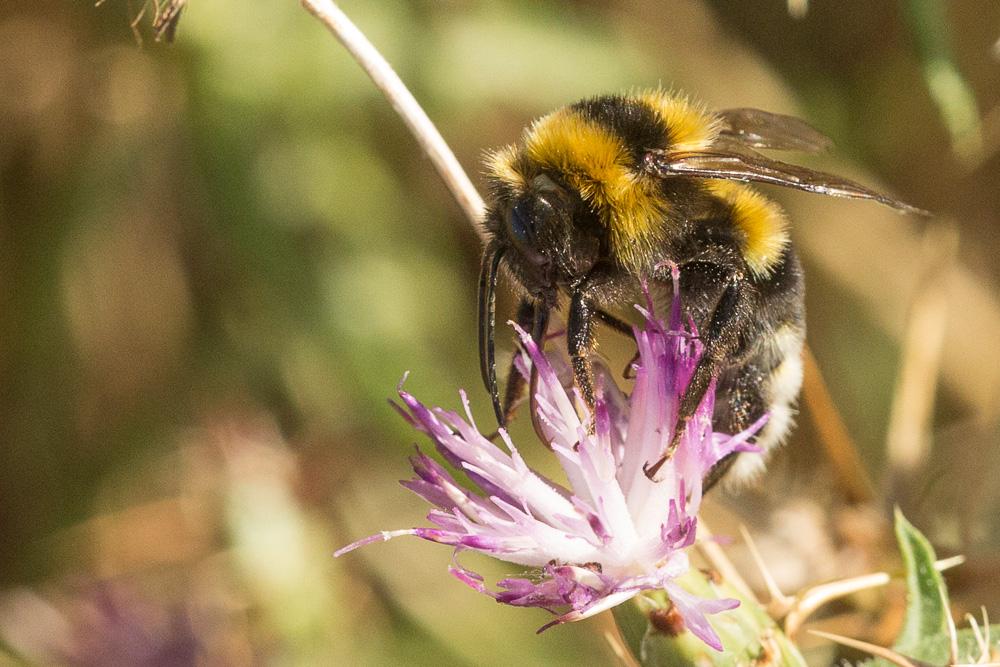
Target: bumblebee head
[{"x": 547, "y": 236}]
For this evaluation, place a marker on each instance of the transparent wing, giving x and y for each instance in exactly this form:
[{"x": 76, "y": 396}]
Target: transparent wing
[
  {"x": 763, "y": 129},
  {"x": 746, "y": 165}
]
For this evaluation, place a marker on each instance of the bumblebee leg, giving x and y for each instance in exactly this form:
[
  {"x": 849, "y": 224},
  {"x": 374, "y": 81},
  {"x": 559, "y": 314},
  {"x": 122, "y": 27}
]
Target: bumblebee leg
[
  {"x": 540, "y": 325},
  {"x": 721, "y": 340},
  {"x": 516, "y": 384},
  {"x": 616, "y": 324},
  {"x": 738, "y": 401},
  {"x": 488, "y": 272},
  {"x": 580, "y": 341},
  {"x": 624, "y": 328},
  {"x": 580, "y": 327},
  {"x": 718, "y": 471},
  {"x": 533, "y": 317}
]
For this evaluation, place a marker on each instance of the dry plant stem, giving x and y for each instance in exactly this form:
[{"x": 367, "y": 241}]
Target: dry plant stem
[
  {"x": 807, "y": 602},
  {"x": 974, "y": 625},
  {"x": 952, "y": 632},
  {"x": 779, "y": 604},
  {"x": 908, "y": 438},
  {"x": 797, "y": 609},
  {"x": 718, "y": 559},
  {"x": 982, "y": 638},
  {"x": 406, "y": 106},
  {"x": 852, "y": 478},
  {"x": 613, "y": 637},
  {"x": 874, "y": 649}
]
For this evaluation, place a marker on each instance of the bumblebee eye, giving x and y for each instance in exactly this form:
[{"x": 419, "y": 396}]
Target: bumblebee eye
[{"x": 519, "y": 222}]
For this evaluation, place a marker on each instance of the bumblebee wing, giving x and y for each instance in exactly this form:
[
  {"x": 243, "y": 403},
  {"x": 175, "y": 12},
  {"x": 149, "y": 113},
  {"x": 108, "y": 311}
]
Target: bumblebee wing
[
  {"x": 749, "y": 166},
  {"x": 763, "y": 129}
]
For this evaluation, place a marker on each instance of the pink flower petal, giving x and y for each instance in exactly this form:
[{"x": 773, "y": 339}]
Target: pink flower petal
[{"x": 584, "y": 544}]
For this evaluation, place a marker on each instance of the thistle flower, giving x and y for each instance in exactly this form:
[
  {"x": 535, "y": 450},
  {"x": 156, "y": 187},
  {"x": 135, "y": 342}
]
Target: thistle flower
[{"x": 614, "y": 532}]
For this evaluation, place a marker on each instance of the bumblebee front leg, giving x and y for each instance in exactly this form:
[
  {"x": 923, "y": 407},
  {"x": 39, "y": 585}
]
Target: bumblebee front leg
[
  {"x": 615, "y": 323},
  {"x": 721, "y": 340},
  {"x": 534, "y": 318},
  {"x": 624, "y": 328},
  {"x": 580, "y": 341}
]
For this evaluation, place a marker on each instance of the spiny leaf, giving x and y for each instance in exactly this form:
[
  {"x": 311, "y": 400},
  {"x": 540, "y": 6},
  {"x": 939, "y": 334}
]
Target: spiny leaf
[
  {"x": 924, "y": 637},
  {"x": 935, "y": 649},
  {"x": 926, "y": 595}
]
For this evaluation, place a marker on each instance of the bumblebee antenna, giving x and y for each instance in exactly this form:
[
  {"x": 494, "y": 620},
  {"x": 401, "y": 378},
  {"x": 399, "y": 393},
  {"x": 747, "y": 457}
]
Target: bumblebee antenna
[{"x": 488, "y": 271}]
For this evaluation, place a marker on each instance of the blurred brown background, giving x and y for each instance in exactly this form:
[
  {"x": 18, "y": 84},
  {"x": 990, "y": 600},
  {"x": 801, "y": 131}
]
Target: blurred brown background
[{"x": 218, "y": 257}]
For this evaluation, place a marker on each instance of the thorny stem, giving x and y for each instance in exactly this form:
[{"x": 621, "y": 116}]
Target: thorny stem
[
  {"x": 423, "y": 130},
  {"x": 779, "y": 602},
  {"x": 877, "y": 651},
  {"x": 808, "y": 601},
  {"x": 613, "y": 637},
  {"x": 798, "y": 608},
  {"x": 718, "y": 559}
]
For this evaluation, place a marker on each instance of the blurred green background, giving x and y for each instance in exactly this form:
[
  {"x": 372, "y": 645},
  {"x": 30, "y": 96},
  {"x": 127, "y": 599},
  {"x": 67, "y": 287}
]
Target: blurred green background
[{"x": 219, "y": 257}]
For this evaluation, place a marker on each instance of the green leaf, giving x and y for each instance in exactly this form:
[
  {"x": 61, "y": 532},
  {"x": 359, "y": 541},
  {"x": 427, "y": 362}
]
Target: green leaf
[
  {"x": 924, "y": 638},
  {"x": 935, "y": 649},
  {"x": 950, "y": 90},
  {"x": 926, "y": 596}
]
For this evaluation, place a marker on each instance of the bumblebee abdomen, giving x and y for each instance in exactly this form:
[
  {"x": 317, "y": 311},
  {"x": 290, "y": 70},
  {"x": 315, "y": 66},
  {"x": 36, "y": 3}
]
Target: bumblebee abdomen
[
  {"x": 769, "y": 378},
  {"x": 759, "y": 224},
  {"x": 763, "y": 386}
]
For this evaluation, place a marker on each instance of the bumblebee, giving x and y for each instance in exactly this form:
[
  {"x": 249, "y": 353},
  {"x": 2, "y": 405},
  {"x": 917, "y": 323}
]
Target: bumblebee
[{"x": 616, "y": 188}]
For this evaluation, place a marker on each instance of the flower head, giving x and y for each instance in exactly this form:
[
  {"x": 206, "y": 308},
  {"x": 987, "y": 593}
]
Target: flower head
[{"x": 613, "y": 532}]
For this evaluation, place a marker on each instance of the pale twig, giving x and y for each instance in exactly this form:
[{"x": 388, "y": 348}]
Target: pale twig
[
  {"x": 617, "y": 645},
  {"x": 986, "y": 630},
  {"x": 612, "y": 634},
  {"x": 989, "y": 655},
  {"x": 808, "y": 601},
  {"x": 718, "y": 559},
  {"x": 134, "y": 24},
  {"x": 779, "y": 604},
  {"x": 952, "y": 630},
  {"x": 841, "y": 450},
  {"x": 980, "y": 641},
  {"x": 406, "y": 106},
  {"x": 874, "y": 649}
]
